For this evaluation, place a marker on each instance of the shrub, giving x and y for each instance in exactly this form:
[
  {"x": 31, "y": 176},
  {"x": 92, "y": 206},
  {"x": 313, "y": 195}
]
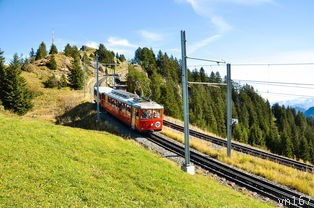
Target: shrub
[
  {"x": 51, "y": 82},
  {"x": 52, "y": 64},
  {"x": 63, "y": 81}
]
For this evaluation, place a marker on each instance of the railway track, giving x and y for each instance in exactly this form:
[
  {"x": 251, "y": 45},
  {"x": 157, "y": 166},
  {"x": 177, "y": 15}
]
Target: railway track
[
  {"x": 244, "y": 149},
  {"x": 282, "y": 195}
]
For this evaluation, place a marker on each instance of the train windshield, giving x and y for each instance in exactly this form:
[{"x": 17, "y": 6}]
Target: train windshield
[{"x": 151, "y": 113}]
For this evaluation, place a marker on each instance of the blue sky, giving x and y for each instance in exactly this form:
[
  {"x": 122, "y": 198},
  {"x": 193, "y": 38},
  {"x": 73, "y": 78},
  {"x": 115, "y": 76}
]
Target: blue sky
[{"x": 237, "y": 31}]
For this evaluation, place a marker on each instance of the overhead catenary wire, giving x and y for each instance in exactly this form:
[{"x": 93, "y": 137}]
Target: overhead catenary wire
[
  {"x": 282, "y": 84},
  {"x": 269, "y": 82},
  {"x": 250, "y": 64},
  {"x": 207, "y": 60},
  {"x": 271, "y": 64},
  {"x": 279, "y": 85},
  {"x": 209, "y": 83},
  {"x": 285, "y": 94}
]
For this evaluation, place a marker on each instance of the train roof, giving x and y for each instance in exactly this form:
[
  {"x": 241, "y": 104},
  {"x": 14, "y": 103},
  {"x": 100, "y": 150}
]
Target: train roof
[{"x": 129, "y": 98}]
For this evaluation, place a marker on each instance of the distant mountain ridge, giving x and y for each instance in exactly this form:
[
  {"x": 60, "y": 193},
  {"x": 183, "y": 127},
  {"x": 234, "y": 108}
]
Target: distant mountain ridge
[
  {"x": 299, "y": 109},
  {"x": 303, "y": 105},
  {"x": 309, "y": 112}
]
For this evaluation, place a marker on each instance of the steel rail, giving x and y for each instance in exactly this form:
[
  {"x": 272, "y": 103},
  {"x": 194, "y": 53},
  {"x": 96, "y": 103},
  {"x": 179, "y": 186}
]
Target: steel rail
[{"x": 245, "y": 149}]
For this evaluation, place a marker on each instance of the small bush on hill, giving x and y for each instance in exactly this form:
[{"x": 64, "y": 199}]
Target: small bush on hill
[
  {"x": 63, "y": 81},
  {"x": 52, "y": 64},
  {"x": 53, "y": 82},
  {"x": 27, "y": 66}
]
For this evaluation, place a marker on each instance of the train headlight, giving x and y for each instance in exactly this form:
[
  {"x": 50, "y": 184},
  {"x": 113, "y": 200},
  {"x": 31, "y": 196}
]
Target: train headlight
[{"x": 157, "y": 124}]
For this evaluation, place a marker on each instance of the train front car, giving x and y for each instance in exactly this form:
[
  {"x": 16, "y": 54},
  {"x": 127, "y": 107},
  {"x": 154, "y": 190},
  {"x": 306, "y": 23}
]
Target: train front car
[
  {"x": 149, "y": 115},
  {"x": 140, "y": 114}
]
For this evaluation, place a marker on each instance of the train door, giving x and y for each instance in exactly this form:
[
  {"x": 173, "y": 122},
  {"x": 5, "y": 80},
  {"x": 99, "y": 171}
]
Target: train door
[{"x": 133, "y": 117}]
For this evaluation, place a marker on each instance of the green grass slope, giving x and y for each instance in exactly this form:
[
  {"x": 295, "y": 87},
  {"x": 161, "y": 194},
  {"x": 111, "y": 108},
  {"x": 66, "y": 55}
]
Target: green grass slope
[{"x": 44, "y": 165}]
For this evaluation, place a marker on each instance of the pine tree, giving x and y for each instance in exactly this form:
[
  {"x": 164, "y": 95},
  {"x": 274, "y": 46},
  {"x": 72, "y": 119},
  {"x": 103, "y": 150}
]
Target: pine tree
[
  {"x": 202, "y": 75},
  {"x": 171, "y": 104},
  {"x": 255, "y": 136},
  {"x": 212, "y": 77},
  {"x": 218, "y": 77},
  {"x": 105, "y": 56},
  {"x": 76, "y": 76},
  {"x": 52, "y": 64},
  {"x": 86, "y": 59},
  {"x": 138, "y": 82},
  {"x": 75, "y": 52},
  {"x": 2, "y": 75},
  {"x": 122, "y": 58},
  {"x": 146, "y": 58},
  {"x": 156, "y": 83},
  {"x": 16, "y": 96},
  {"x": 26, "y": 66},
  {"x": 239, "y": 134},
  {"x": 304, "y": 150},
  {"x": 286, "y": 145},
  {"x": 32, "y": 55},
  {"x": 41, "y": 52},
  {"x": 273, "y": 139},
  {"x": 63, "y": 81},
  {"x": 71, "y": 51},
  {"x": 68, "y": 50},
  {"x": 53, "y": 49}
]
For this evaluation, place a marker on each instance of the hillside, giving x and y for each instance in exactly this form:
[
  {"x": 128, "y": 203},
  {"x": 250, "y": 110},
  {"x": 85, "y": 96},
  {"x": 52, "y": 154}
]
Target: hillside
[
  {"x": 50, "y": 103},
  {"x": 44, "y": 165}
]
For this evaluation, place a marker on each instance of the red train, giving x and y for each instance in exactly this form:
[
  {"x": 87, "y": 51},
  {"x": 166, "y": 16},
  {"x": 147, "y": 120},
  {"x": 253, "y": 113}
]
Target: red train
[{"x": 140, "y": 114}]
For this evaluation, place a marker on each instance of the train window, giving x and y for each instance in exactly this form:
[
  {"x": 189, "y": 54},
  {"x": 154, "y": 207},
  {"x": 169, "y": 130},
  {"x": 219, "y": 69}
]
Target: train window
[
  {"x": 156, "y": 113},
  {"x": 120, "y": 106},
  {"x": 136, "y": 113},
  {"x": 151, "y": 113},
  {"x": 128, "y": 110},
  {"x": 146, "y": 113}
]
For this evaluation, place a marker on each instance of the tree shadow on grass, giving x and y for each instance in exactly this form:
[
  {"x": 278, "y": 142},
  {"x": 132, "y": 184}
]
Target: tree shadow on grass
[{"x": 84, "y": 116}]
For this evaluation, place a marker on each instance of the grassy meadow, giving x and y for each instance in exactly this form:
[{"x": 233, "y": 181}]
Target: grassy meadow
[{"x": 45, "y": 165}]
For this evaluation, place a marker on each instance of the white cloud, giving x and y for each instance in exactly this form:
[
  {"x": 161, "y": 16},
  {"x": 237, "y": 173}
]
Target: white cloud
[
  {"x": 249, "y": 2},
  {"x": 220, "y": 24},
  {"x": 92, "y": 44},
  {"x": 114, "y": 41},
  {"x": 208, "y": 9},
  {"x": 150, "y": 36},
  {"x": 128, "y": 53},
  {"x": 196, "y": 46},
  {"x": 196, "y": 3}
]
